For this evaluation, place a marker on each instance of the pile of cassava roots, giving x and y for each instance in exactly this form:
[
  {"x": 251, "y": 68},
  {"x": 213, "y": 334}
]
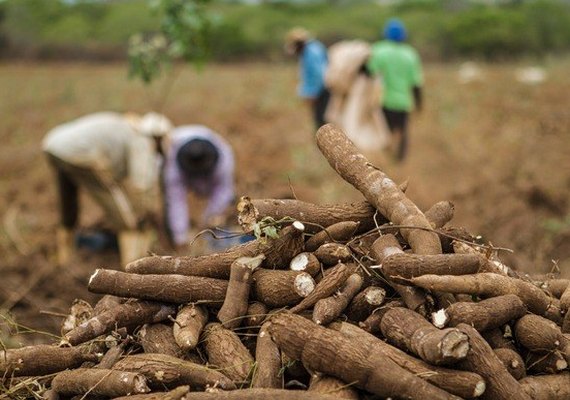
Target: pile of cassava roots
[{"x": 369, "y": 300}]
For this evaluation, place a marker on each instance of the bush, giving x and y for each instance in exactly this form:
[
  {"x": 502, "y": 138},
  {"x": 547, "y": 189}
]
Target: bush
[{"x": 488, "y": 32}]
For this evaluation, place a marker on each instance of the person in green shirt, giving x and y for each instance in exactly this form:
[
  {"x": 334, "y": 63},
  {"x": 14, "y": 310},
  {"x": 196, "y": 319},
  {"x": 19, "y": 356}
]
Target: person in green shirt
[{"x": 399, "y": 66}]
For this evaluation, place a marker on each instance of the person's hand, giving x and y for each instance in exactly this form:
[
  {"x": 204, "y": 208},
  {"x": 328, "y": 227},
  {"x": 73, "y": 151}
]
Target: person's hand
[{"x": 310, "y": 101}]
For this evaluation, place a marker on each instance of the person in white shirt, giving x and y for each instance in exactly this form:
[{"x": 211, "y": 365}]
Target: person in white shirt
[{"x": 115, "y": 158}]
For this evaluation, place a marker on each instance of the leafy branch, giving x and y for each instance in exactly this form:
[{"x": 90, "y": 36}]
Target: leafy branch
[{"x": 185, "y": 32}]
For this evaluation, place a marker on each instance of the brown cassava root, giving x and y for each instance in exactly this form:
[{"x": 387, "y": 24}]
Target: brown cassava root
[
  {"x": 486, "y": 314},
  {"x": 237, "y": 296},
  {"x": 279, "y": 288},
  {"x": 161, "y": 369},
  {"x": 278, "y": 252},
  {"x": 547, "y": 387},
  {"x": 409, "y": 330},
  {"x": 329, "y": 308},
  {"x": 377, "y": 188},
  {"x": 159, "y": 338},
  {"x": 512, "y": 361},
  {"x": 314, "y": 216},
  {"x": 188, "y": 326},
  {"x": 332, "y": 353},
  {"x": 41, "y": 360},
  {"x": 488, "y": 285},
  {"x": 329, "y": 385},
  {"x": 130, "y": 315},
  {"x": 339, "y": 232},
  {"x": 460, "y": 383},
  {"x": 415, "y": 298},
  {"x": 102, "y": 382},
  {"x": 365, "y": 302},
  {"x": 226, "y": 352},
  {"x": 267, "y": 372},
  {"x": 167, "y": 288},
  {"x": 401, "y": 267},
  {"x": 482, "y": 360},
  {"x": 329, "y": 285}
]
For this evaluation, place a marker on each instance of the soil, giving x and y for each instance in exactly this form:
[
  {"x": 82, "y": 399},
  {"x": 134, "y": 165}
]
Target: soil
[{"x": 496, "y": 147}]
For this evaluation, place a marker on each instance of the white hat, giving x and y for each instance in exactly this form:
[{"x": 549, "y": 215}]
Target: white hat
[{"x": 154, "y": 124}]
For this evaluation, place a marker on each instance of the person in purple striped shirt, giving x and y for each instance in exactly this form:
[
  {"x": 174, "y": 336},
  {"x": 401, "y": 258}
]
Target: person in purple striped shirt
[{"x": 198, "y": 160}]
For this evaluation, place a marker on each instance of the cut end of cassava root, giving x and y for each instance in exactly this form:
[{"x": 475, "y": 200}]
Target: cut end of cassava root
[
  {"x": 304, "y": 284},
  {"x": 139, "y": 383},
  {"x": 375, "y": 296},
  {"x": 479, "y": 389},
  {"x": 299, "y": 226},
  {"x": 439, "y": 318},
  {"x": 299, "y": 262},
  {"x": 455, "y": 345}
]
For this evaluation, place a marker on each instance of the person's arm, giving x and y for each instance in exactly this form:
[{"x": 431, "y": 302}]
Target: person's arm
[
  {"x": 417, "y": 80},
  {"x": 222, "y": 194},
  {"x": 143, "y": 166},
  {"x": 418, "y": 97},
  {"x": 177, "y": 218},
  {"x": 372, "y": 65}
]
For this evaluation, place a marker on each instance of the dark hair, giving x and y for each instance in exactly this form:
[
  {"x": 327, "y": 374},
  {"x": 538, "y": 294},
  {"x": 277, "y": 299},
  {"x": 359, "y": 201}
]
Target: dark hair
[{"x": 198, "y": 157}]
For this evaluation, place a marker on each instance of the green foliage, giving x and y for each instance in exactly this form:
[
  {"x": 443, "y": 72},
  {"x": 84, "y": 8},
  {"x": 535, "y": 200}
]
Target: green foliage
[
  {"x": 148, "y": 57},
  {"x": 124, "y": 19},
  {"x": 489, "y": 32},
  {"x": 557, "y": 225},
  {"x": 185, "y": 33},
  {"x": 266, "y": 228},
  {"x": 187, "y": 25},
  {"x": 197, "y": 30}
]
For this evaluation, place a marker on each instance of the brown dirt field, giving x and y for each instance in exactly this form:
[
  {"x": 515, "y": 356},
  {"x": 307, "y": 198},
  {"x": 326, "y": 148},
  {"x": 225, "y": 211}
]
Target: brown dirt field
[{"x": 498, "y": 149}]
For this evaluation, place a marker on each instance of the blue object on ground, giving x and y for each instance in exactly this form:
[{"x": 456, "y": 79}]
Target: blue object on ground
[
  {"x": 223, "y": 242},
  {"x": 96, "y": 240}
]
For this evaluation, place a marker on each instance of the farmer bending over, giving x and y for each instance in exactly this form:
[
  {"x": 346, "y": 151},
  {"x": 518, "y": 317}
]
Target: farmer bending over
[
  {"x": 114, "y": 158},
  {"x": 201, "y": 161}
]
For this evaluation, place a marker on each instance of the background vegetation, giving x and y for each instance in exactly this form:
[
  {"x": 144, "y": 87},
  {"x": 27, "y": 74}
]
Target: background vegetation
[{"x": 441, "y": 29}]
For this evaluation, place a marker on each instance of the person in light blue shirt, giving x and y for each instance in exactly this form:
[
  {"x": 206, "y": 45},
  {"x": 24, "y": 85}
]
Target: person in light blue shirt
[{"x": 313, "y": 62}]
